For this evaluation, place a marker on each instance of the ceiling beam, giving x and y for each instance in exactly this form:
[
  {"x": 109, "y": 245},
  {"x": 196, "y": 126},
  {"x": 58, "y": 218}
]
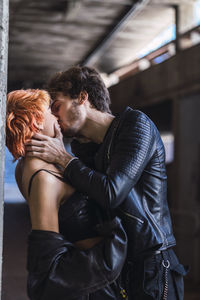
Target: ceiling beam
[{"x": 103, "y": 43}]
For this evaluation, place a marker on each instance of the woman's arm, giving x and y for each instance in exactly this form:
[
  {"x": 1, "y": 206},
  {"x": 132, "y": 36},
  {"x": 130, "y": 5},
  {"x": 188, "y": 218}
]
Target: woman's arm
[{"x": 44, "y": 200}]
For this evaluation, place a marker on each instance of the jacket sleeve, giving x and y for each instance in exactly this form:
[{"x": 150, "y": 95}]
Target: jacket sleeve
[
  {"x": 85, "y": 151},
  {"x": 132, "y": 151},
  {"x": 58, "y": 270}
]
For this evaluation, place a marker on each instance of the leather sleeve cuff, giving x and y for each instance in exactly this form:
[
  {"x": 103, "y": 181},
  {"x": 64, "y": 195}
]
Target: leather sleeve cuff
[
  {"x": 72, "y": 167},
  {"x": 69, "y": 162}
]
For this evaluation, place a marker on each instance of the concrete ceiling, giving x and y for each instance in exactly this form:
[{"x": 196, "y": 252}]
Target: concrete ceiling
[{"x": 49, "y": 36}]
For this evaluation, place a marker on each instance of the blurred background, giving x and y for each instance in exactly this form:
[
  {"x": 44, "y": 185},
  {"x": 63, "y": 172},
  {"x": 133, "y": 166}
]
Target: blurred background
[{"x": 148, "y": 53}]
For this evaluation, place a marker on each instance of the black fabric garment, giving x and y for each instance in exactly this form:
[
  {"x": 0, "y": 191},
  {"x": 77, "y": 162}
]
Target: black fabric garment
[
  {"x": 148, "y": 278},
  {"x": 78, "y": 218},
  {"x": 58, "y": 270}
]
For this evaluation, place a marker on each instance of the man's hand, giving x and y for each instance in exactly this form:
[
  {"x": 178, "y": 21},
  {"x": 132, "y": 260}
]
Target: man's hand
[{"x": 49, "y": 149}]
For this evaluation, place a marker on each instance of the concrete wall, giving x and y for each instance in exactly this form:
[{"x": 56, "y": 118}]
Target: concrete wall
[
  {"x": 3, "y": 84},
  {"x": 186, "y": 208}
]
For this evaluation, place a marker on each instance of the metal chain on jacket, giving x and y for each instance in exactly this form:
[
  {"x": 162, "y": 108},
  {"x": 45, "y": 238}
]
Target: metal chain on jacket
[{"x": 166, "y": 265}]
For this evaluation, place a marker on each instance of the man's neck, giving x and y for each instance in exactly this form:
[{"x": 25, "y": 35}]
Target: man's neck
[{"x": 96, "y": 126}]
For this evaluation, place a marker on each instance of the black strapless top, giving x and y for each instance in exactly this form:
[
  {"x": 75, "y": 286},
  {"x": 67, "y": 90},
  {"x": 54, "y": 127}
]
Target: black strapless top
[{"x": 77, "y": 216}]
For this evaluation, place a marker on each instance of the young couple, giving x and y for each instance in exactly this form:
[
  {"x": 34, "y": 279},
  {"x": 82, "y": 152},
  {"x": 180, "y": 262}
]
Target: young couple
[{"x": 77, "y": 248}]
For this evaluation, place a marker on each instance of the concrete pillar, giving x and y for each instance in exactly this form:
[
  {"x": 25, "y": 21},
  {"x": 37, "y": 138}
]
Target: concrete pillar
[
  {"x": 187, "y": 19},
  {"x": 186, "y": 183},
  {"x": 4, "y": 4},
  {"x": 187, "y": 16}
]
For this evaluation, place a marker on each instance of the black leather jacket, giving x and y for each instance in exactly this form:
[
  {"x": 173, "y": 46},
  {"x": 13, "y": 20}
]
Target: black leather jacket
[
  {"x": 58, "y": 270},
  {"x": 130, "y": 180}
]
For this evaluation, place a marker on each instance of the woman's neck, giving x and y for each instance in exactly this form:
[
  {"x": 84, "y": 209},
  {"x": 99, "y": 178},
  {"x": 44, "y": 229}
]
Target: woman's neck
[{"x": 35, "y": 163}]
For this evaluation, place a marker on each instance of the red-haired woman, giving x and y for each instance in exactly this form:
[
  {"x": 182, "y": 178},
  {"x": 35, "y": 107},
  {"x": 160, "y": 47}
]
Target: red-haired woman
[{"x": 69, "y": 255}]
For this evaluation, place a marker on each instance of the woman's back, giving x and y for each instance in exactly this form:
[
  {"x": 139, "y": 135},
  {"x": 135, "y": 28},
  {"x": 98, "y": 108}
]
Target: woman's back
[{"x": 53, "y": 203}]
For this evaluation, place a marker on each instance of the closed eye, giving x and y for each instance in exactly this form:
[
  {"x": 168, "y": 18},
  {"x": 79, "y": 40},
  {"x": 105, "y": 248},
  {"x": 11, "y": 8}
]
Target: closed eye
[{"x": 55, "y": 107}]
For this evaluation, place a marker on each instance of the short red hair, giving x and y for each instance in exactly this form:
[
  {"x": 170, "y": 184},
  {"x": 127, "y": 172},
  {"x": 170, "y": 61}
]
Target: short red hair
[{"x": 24, "y": 114}]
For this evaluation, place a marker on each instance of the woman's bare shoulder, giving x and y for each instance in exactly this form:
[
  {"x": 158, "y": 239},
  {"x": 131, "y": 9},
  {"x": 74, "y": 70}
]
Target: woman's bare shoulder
[
  {"x": 43, "y": 201},
  {"x": 18, "y": 168},
  {"x": 46, "y": 185},
  {"x": 41, "y": 181},
  {"x": 44, "y": 181}
]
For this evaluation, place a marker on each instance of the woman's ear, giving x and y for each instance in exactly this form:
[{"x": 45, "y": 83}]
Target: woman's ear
[{"x": 83, "y": 96}]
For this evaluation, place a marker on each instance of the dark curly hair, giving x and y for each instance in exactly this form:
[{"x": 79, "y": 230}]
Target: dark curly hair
[{"x": 77, "y": 79}]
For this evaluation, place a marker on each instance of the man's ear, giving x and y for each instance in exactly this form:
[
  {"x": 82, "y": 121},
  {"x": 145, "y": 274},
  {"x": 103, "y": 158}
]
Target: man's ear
[{"x": 83, "y": 96}]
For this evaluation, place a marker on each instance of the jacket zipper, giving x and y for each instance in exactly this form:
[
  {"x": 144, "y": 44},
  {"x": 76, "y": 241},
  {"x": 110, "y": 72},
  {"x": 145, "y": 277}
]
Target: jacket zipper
[
  {"x": 161, "y": 234},
  {"x": 111, "y": 140},
  {"x": 108, "y": 151},
  {"x": 131, "y": 216}
]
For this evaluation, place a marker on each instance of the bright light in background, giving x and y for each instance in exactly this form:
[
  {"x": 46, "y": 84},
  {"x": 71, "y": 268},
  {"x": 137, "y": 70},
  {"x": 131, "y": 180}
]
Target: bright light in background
[
  {"x": 167, "y": 35},
  {"x": 11, "y": 191},
  {"x": 197, "y": 12},
  {"x": 163, "y": 38},
  {"x": 168, "y": 141}
]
